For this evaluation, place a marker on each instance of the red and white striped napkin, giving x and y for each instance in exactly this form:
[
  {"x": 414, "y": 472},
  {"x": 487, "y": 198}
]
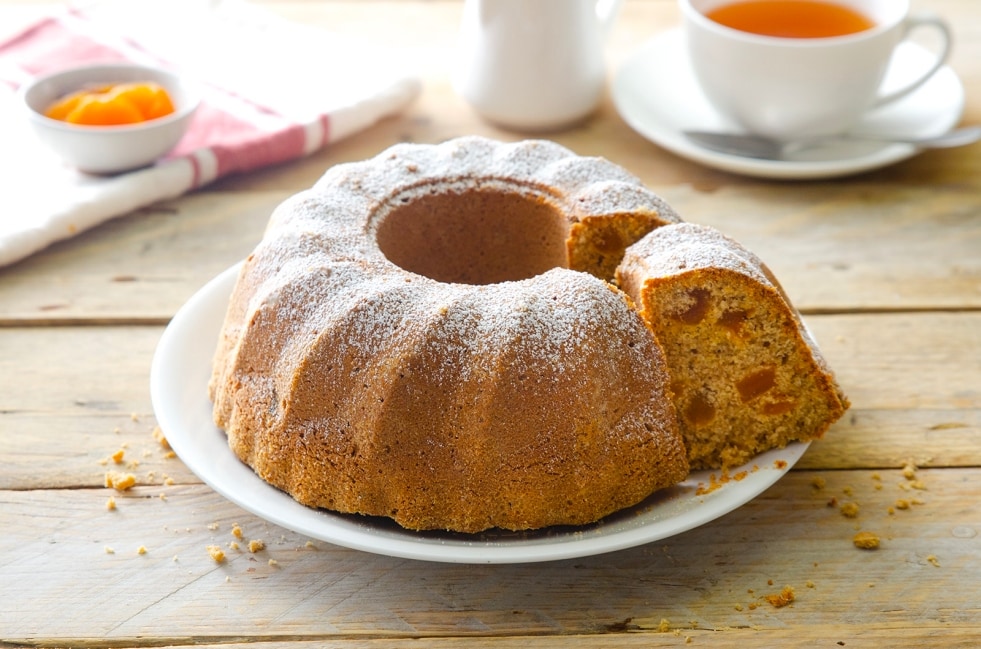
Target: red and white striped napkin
[{"x": 272, "y": 91}]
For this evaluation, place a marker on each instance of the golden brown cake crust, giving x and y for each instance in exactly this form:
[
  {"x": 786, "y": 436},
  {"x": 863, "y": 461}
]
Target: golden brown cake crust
[
  {"x": 496, "y": 387},
  {"x": 746, "y": 374}
]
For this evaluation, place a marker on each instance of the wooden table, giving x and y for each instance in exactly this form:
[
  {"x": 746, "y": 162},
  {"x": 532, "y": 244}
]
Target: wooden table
[{"x": 885, "y": 266}]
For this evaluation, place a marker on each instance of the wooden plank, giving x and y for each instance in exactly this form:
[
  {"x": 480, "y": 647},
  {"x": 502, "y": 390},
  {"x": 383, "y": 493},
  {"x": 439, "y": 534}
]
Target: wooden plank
[
  {"x": 59, "y": 420},
  {"x": 895, "y": 249},
  {"x": 946, "y": 638},
  {"x": 890, "y": 438},
  {"x": 59, "y": 584},
  {"x": 139, "y": 268},
  {"x": 843, "y": 247},
  {"x": 917, "y": 402}
]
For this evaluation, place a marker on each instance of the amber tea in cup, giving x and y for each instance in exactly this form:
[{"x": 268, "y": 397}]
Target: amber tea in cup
[
  {"x": 791, "y": 18},
  {"x": 798, "y": 68}
]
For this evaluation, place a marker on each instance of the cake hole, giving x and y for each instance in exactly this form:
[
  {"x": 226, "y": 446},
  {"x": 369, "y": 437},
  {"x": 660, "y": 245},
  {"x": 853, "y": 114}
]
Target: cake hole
[{"x": 479, "y": 236}]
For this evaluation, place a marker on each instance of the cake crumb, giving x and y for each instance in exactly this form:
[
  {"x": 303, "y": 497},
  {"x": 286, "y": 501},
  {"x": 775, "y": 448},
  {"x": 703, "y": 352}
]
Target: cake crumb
[
  {"x": 273, "y": 563},
  {"x": 818, "y": 483},
  {"x": 141, "y": 550},
  {"x": 216, "y": 553},
  {"x": 213, "y": 526},
  {"x": 902, "y": 503},
  {"x": 134, "y": 417},
  {"x": 781, "y": 599},
  {"x": 809, "y": 583},
  {"x": 162, "y": 496},
  {"x": 161, "y": 439},
  {"x": 663, "y": 626},
  {"x": 849, "y": 509},
  {"x": 168, "y": 481},
  {"x": 713, "y": 485},
  {"x": 311, "y": 545},
  {"x": 232, "y": 545},
  {"x": 108, "y": 550},
  {"x": 909, "y": 470},
  {"x": 932, "y": 560},
  {"x": 255, "y": 545},
  {"x": 111, "y": 503},
  {"x": 236, "y": 531},
  {"x": 117, "y": 457},
  {"x": 866, "y": 540},
  {"x": 120, "y": 481}
]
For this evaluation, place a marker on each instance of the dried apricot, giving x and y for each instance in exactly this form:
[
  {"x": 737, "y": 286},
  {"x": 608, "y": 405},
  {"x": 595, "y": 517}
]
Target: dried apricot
[
  {"x": 100, "y": 110},
  {"x": 125, "y": 103},
  {"x": 149, "y": 98}
]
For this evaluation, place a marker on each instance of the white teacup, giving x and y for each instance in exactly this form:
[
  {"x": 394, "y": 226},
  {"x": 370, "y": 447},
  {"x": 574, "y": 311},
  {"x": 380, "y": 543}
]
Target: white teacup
[{"x": 800, "y": 87}]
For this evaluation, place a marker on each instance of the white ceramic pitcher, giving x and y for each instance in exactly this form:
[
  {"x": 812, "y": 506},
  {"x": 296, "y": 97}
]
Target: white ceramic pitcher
[{"x": 534, "y": 65}]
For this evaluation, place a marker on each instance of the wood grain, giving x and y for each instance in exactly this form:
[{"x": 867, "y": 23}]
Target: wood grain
[
  {"x": 885, "y": 265},
  {"x": 909, "y": 402},
  {"x": 890, "y": 249},
  {"x": 709, "y": 579}
]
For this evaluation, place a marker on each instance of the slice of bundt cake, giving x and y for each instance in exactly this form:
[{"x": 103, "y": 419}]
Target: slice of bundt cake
[{"x": 746, "y": 374}]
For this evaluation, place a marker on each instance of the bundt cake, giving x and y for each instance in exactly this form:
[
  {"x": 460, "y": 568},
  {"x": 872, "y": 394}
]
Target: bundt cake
[
  {"x": 428, "y": 336},
  {"x": 745, "y": 373}
]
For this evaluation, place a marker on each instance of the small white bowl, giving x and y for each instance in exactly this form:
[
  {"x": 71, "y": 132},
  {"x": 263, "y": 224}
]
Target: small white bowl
[{"x": 109, "y": 149}]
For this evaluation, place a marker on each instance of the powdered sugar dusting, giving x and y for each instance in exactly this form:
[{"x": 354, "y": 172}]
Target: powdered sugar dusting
[
  {"x": 320, "y": 307},
  {"x": 682, "y": 247}
]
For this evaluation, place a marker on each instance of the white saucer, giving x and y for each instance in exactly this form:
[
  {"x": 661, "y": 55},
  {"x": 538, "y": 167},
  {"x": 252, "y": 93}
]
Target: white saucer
[
  {"x": 179, "y": 391},
  {"x": 657, "y": 95}
]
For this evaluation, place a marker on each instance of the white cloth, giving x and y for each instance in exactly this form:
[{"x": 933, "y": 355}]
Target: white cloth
[{"x": 273, "y": 91}]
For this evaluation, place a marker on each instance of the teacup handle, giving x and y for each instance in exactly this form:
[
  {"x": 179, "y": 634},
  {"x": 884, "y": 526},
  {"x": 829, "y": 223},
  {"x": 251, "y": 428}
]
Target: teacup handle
[{"x": 914, "y": 21}]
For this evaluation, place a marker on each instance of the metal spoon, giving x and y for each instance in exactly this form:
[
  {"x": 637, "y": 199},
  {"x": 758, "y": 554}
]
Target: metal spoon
[{"x": 757, "y": 146}]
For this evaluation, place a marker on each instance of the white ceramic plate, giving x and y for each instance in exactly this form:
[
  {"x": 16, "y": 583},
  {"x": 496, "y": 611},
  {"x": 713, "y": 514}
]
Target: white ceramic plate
[
  {"x": 656, "y": 93},
  {"x": 178, "y": 386}
]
